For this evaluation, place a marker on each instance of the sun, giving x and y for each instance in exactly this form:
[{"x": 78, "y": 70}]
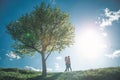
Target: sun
[{"x": 91, "y": 44}]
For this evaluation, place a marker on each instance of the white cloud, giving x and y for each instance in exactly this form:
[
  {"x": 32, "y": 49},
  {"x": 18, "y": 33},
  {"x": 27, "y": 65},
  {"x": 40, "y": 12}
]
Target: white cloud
[
  {"x": 104, "y": 34},
  {"x": 35, "y": 69},
  {"x": 114, "y": 55},
  {"x": 53, "y": 2},
  {"x": 109, "y": 17},
  {"x": 12, "y": 55},
  {"x": 17, "y": 21},
  {"x": 49, "y": 69},
  {"x": 57, "y": 67},
  {"x": 58, "y": 57},
  {"x": 31, "y": 68}
]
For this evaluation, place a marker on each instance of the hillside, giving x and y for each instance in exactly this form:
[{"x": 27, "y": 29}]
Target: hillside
[{"x": 112, "y": 73}]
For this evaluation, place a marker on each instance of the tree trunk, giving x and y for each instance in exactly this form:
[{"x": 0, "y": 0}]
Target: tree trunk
[{"x": 44, "y": 71}]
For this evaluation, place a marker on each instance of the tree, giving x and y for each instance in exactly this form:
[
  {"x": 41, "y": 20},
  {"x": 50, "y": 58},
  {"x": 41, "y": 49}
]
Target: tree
[{"x": 44, "y": 30}]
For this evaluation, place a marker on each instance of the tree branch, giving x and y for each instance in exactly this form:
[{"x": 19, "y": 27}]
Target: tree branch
[
  {"x": 32, "y": 46},
  {"x": 49, "y": 53}
]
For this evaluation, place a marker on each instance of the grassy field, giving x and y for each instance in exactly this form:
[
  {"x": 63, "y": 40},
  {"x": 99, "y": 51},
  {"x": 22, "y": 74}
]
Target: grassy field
[{"x": 93, "y": 74}]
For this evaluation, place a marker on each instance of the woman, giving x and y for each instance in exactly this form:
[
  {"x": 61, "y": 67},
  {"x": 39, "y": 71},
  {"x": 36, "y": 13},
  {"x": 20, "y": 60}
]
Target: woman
[{"x": 66, "y": 63}]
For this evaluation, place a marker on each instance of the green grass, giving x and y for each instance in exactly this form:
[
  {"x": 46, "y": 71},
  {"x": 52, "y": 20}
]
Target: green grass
[
  {"x": 93, "y": 74},
  {"x": 17, "y": 74}
]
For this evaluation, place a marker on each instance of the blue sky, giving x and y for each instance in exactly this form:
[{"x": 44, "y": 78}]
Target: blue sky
[{"x": 101, "y": 17}]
